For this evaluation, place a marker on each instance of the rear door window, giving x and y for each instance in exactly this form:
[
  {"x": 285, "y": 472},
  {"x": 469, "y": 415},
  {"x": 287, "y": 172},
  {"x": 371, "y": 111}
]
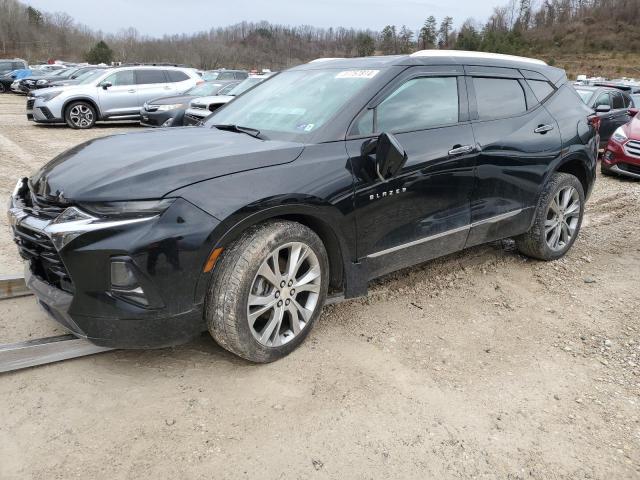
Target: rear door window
[
  {"x": 146, "y": 77},
  {"x": 499, "y": 97},
  {"x": 618, "y": 101},
  {"x": 225, "y": 76}
]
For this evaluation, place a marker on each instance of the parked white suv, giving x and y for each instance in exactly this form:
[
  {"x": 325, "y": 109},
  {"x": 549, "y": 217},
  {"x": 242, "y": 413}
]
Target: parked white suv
[{"x": 112, "y": 94}]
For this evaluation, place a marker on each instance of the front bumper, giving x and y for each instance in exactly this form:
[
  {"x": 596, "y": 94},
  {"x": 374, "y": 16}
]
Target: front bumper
[
  {"x": 168, "y": 251},
  {"x": 170, "y": 118},
  {"x": 194, "y": 116},
  {"x": 617, "y": 159},
  {"x": 41, "y": 112}
]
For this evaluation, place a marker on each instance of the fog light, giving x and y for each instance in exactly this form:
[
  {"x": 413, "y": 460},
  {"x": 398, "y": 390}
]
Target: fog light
[
  {"x": 122, "y": 276},
  {"x": 608, "y": 156},
  {"x": 125, "y": 284}
]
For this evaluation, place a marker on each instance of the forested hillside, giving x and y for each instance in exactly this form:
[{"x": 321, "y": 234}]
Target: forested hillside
[{"x": 598, "y": 37}]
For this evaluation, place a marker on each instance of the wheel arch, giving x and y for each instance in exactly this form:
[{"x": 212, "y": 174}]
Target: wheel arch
[
  {"x": 92, "y": 102},
  {"x": 316, "y": 218}
]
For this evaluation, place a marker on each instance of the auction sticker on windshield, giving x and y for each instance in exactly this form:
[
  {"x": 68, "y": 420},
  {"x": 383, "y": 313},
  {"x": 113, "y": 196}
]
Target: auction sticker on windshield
[{"x": 357, "y": 74}]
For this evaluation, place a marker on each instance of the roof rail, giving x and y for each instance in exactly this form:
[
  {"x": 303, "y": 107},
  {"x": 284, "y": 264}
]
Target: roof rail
[
  {"x": 327, "y": 59},
  {"x": 468, "y": 54}
]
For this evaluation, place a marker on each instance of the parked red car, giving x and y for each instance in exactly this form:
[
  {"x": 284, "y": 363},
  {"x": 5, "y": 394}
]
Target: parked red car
[{"x": 622, "y": 155}]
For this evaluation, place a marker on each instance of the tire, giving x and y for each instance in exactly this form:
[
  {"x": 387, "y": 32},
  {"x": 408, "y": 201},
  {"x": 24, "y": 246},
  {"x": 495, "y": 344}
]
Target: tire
[
  {"x": 556, "y": 214},
  {"x": 237, "y": 278},
  {"x": 80, "y": 115},
  {"x": 3, "y": 89}
]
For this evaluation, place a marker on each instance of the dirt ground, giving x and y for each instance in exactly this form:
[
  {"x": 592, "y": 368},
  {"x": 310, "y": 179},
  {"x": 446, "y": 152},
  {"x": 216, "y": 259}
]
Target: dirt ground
[{"x": 483, "y": 364}]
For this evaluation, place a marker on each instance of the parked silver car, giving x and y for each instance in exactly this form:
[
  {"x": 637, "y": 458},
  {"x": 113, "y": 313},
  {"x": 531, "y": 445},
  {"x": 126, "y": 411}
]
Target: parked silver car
[{"x": 112, "y": 94}]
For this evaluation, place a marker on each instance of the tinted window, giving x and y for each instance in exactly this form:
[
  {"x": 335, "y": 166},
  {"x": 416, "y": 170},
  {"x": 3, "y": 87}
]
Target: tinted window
[
  {"x": 225, "y": 76},
  {"x": 540, "y": 89},
  {"x": 618, "y": 101},
  {"x": 124, "y": 77},
  {"x": 6, "y": 66},
  {"x": 419, "y": 103},
  {"x": 145, "y": 77},
  {"x": 177, "y": 76},
  {"x": 603, "y": 99},
  {"x": 241, "y": 75},
  {"x": 627, "y": 100},
  {"x": 499, "y": 97}
]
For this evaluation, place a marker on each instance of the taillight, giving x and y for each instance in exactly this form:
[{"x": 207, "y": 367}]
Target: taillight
[{"x": 594, "y": 121}]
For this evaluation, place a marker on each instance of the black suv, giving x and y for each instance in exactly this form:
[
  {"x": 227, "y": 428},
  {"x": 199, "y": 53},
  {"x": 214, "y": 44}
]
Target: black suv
[
  {"x": 611, "y": 104},
  {"x": 318, "y": 180}
]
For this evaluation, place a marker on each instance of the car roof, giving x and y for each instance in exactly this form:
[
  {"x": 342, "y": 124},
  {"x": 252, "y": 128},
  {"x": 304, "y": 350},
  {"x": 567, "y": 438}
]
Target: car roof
[{"x": 440, "y": 57}]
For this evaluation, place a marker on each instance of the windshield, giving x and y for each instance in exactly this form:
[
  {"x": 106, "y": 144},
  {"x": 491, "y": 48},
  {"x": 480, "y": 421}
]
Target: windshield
[
  {"x": 204, "y": 89},
  {"x": 585, "y": 95},
  {"x": 93, "y": 76},
  {"x": 86, "y": 74},
  {"x": 207, "y": 76},
  {"x": 245, "y": 85},
  {"x": 227, "y": 88},
  {"x": 294, "y": 102}
]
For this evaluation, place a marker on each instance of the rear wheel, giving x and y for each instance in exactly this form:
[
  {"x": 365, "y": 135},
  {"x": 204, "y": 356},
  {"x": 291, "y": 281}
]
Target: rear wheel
[
  {"x": 2, "y": 88},
  {"x": 557, "y": 221},
  {"x": 267, "y": 290},
  {"x": 80, "y": 115}
]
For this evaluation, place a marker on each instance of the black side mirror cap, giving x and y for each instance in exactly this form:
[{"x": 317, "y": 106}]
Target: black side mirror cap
[
  {"x": 390, "y": 156},
  {"x": 106, "y": 85},
  {"x": 603, "y": 108}
]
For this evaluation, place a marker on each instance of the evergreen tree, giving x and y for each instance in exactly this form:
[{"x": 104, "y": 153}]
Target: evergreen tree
[
  {"x": 405, "y": 40},
  {"x": 429, "y": 33},
  {"x": 388, "y": 40},
  {"x": 100, "y": 53},
  {"x": 365, "y": 44},
  {"x": 445, "y": 30}
]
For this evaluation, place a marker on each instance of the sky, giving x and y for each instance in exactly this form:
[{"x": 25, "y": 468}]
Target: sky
[{"x": 159, "y": 17}]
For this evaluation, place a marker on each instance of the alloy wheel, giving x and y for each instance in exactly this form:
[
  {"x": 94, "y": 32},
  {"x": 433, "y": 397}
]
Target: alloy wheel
[
  {"x": 284, "y": 294},
  {"x": 562, "y": 218},
  {"x": 81, "y": 116}
]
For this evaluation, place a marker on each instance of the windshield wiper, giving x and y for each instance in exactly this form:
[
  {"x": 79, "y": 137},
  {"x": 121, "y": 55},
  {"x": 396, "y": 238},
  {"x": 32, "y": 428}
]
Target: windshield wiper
[{"x": 254, "y": 132}]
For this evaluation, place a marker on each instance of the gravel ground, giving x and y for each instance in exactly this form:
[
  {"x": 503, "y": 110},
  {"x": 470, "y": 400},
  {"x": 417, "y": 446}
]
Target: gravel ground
[{"x": 482, "y": 364}]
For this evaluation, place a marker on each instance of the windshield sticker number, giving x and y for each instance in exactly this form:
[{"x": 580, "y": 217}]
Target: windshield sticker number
[{"x": 357, "y": 74}]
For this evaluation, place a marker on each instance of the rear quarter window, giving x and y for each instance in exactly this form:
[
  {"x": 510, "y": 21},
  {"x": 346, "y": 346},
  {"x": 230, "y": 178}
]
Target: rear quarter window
[
  {"x": 176, "y": 76},
  {"x": 145, "y": 77},
  {"x": 541, "y": 89},
  {"x": 499, "y": 97}
]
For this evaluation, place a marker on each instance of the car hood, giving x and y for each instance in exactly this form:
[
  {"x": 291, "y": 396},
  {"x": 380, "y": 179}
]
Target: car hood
[
  {"x": 175, "y": 99},
  {"x": 214, "y": 99},
  {"x": 150, "y": 164}
]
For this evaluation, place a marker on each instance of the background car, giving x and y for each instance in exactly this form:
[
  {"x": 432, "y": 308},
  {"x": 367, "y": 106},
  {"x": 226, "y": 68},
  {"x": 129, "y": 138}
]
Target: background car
[
  {"x": 27, "y": 84},
  {"x": 8, "y": 78},
  {"x": 55, "y": 78},
  {"x": 622, "y": 155},
  {"x": 113, "y": 94},
  {"x": 224, "y": 75},
  {"x": 169, "y": 111},
  {"x": 611, "y": 105},
  {"x": 201, "y": 108},
  {"x": 8, "y": 65}
]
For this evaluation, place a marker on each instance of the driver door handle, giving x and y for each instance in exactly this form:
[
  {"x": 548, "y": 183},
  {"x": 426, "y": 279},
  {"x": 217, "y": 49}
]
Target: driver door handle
[
  {"x": 461, "y": 149},
  {"x": 543, "y": 129}
]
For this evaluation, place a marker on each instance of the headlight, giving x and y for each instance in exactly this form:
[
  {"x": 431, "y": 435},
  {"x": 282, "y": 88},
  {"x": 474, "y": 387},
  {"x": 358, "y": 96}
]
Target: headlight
[
  {"x": 132, "y": 209},
  {"x": 165, "y": 108},
  {"x": 619, "y": 135},
  {"x": 42, "y": 82},
  {"x": 48, "y": 96}
]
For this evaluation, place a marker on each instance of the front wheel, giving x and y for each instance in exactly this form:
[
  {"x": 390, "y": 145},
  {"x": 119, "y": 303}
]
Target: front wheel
[
  {"x": 267, "y": 290},
  {"x": 80, "y": 115},
  {"x": 2, "y": 88},
  {"x": 558, "y": 219}
]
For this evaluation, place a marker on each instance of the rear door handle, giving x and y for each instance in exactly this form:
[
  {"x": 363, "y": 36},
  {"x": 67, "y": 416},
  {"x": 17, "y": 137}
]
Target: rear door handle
[
  {"x": 461, "y": 149},
  {"x": 131, "y": 91},
  {"x": 543, "y": 129}
]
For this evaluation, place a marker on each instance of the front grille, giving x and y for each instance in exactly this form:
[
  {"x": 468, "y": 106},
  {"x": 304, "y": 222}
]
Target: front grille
[
  {"x": 35, "y": 246},
  {"x": 44, "y": 261},
  {"x": 30, "y": 103},
  {"x": 199, "y": 106},
  {"x": 632, "y": 148}
]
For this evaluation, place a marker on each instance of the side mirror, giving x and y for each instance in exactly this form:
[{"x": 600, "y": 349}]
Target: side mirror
[
  {"x": 390, "y": 156},
  {"x": 633, "y": 111},
  {"x": 106, "y": 85},
  {"x": 603, "y": 108}
]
